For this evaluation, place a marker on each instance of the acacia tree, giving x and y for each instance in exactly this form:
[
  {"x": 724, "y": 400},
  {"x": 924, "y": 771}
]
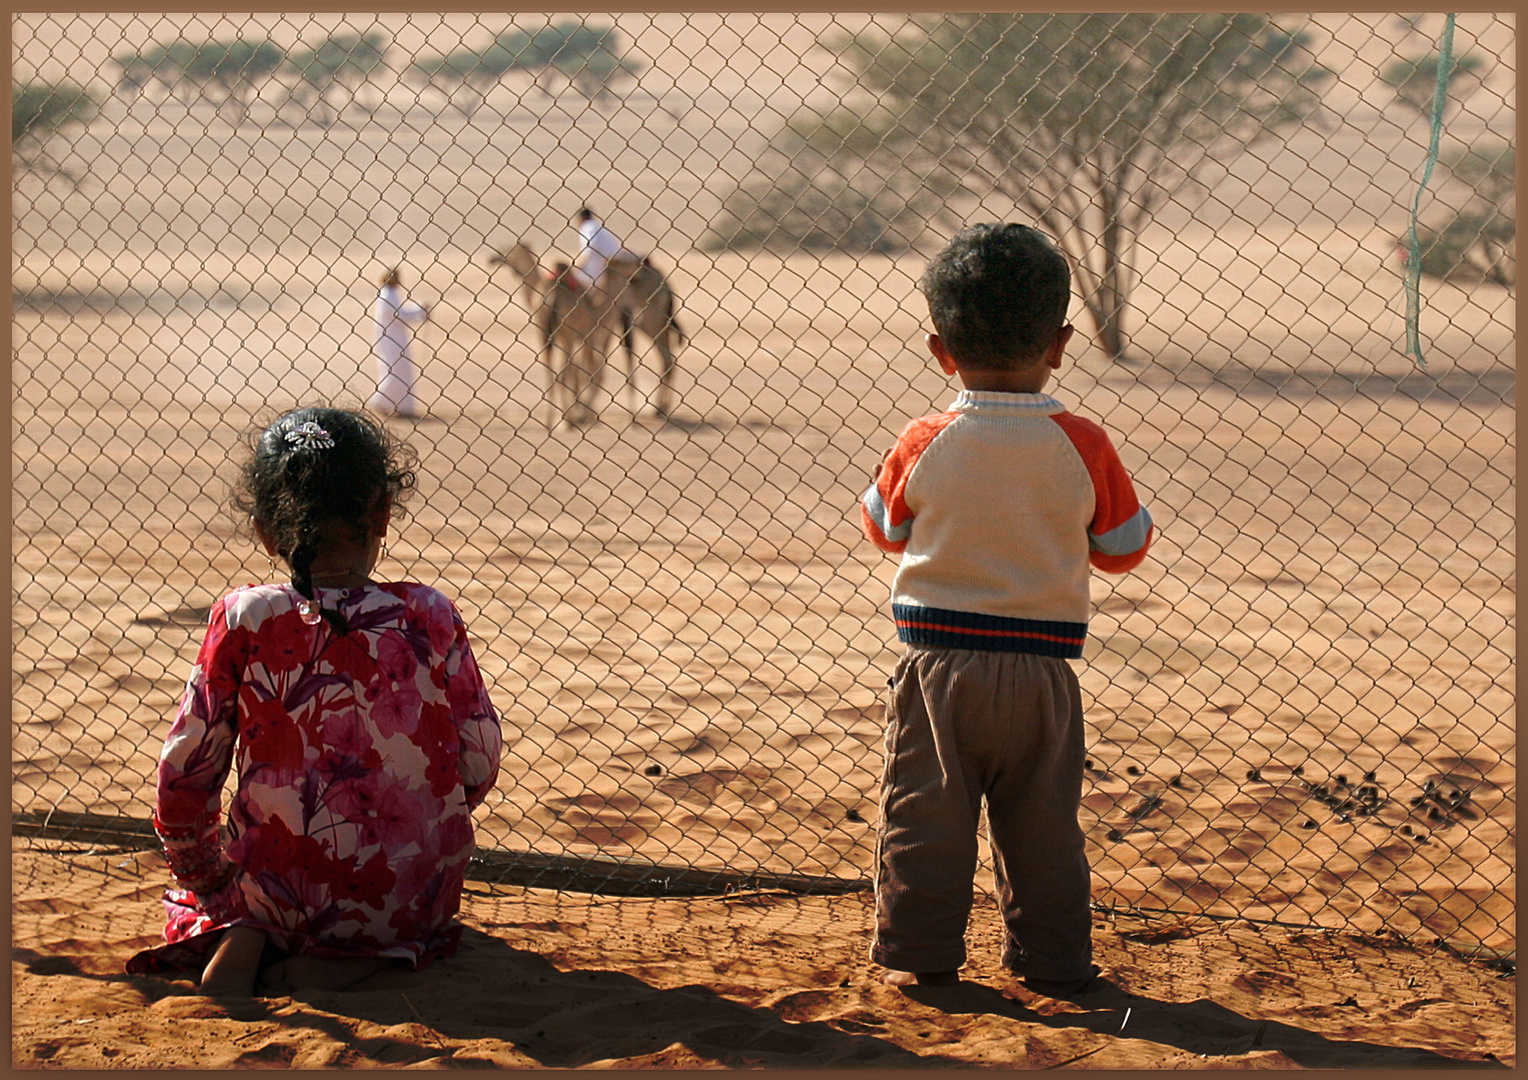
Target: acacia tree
[
  {"x": 835, "y": 183},
  {"x": 1479, "y": 238},
  {"x": 236, "y": 67},
  {"x": 596, "y": 74},
  {"x": 1089, "y": 122},
  {"x": 1483, "y": 236},
  {"x": 40, "y": 111},
  {"x": 163, "y": 63},
  {"x": 587, "y": 58},
  {"x": 1415, "y": 80},
  {"x": 584, "y": 56},
  {"x": 475, "y": 71},
  {"x": 343, "y": 63}
]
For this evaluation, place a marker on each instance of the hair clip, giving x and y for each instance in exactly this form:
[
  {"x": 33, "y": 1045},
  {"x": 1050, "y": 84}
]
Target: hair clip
[{"x": 309, "y": 436}]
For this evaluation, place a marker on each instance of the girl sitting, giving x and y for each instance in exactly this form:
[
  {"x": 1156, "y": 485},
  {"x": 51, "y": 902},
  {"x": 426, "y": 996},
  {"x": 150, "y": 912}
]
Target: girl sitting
[{"x": 362, "y": 730}]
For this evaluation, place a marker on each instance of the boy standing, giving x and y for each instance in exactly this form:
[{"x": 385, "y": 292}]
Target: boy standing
[{"x": 997, "y": 507}]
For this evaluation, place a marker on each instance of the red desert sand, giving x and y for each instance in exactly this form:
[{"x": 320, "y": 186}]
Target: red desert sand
[
  {"x": 549, "y": 980},
  {"x": 687, "y": 636}
]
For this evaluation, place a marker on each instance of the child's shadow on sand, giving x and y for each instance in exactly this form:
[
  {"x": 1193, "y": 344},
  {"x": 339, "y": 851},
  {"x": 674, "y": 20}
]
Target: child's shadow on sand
[
  {"x": 493, "y": 991},
  {"x": 1200, "y": 1027}
]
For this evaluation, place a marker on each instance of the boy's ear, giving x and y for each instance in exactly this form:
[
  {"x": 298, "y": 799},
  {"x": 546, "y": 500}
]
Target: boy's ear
[
  {"x": 940, "y": 353},
  {"x": 381, "y": 516},
  {"x": 1058, "y": 346}
]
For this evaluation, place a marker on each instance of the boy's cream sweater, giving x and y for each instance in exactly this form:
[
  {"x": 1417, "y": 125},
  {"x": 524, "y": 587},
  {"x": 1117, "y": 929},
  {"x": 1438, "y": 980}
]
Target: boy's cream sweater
[{"x": 998, "y": 508}]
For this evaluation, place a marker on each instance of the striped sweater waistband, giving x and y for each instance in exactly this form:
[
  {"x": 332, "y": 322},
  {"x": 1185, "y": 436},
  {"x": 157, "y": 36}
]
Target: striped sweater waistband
[{"x": 993, "y": 633}]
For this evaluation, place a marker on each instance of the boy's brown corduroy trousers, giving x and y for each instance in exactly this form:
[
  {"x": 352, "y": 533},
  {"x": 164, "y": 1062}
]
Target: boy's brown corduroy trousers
[{"x": 965, "y": 725}]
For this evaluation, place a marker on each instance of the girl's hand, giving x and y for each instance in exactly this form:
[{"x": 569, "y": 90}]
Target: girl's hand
[
  {"x": 220, "y": 899},
  {"x": 225, "y": 876}
]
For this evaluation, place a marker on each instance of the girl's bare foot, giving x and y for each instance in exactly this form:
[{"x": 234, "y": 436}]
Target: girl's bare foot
[
  {"x": 921, "y": 978},
  {"x": 234, "y": 964},
  {"x": 272, "y": 979},
  {"x": 327, "y": 973}
]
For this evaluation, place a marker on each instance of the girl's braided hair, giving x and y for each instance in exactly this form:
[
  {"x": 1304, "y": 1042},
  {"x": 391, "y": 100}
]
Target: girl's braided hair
[{"x": 315, "y": 469}]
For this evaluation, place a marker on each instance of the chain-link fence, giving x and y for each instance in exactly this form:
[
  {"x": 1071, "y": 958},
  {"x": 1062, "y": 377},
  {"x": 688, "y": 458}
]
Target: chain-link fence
[{"x": 1300, "y": 707}]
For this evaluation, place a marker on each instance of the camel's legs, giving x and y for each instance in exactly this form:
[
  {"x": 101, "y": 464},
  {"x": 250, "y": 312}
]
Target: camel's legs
[
  {"x": 585, "y": 373},
  {"x": 666, "y": 392},
  {"x": 572, "y": 381},
  {"x": 554, "y": 384},
  {"x": 633, "y": 397},
  {"x": 556, "y": 378},
  {"x": 643, "y": 302},
  {"x": 587, "y": 345},
  {"x": 570, "y": 327}
]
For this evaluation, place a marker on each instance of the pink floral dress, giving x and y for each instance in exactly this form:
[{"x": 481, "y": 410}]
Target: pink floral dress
[{"x": 360, "y": 759}]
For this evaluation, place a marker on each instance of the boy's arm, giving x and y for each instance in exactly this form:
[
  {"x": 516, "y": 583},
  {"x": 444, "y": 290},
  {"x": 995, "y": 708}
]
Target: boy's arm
[
  {"x": 884, "y": 513},
  {"x": 875, "y": 517},
  {"x": 1121, "y": 530}
]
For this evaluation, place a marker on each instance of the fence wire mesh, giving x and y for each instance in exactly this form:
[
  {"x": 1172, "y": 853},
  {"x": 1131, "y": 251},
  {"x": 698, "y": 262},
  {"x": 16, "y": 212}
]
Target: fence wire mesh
[{"x": 1300, "y": 708}]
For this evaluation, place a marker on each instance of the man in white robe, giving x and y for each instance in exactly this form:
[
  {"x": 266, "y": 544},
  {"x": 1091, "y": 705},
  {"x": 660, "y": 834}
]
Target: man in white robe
[
  {"x": 395, "y": 318},
  {"x": 600, "y": 246}
]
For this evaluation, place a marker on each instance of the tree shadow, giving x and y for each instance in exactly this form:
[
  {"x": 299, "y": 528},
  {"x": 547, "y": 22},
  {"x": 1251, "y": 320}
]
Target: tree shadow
[{"x": 1200, "y": 1027}]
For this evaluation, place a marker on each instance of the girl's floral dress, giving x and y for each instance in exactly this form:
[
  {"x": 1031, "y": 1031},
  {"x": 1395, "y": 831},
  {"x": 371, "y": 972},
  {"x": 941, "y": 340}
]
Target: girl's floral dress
[{"x": 360, "y": 758}]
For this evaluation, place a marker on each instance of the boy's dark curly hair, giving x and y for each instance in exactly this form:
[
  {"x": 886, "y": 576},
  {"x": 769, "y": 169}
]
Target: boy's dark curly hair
[
  {"x": 297, "y": 484},
  {"x": 997, "y": 294}
]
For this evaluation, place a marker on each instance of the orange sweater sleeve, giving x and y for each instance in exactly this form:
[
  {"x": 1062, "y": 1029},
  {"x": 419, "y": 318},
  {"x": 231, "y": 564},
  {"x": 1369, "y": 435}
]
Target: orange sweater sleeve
[
  {"x": 884, "y": 513},
  {"x": 1121, "y": 530}
]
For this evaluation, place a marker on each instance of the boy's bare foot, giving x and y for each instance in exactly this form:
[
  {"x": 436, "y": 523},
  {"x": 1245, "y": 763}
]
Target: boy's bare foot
[
  {"x": 921, "y": 978},
  {"x": 1065, "y": 988},
  {"x": 234, "y": 964}
]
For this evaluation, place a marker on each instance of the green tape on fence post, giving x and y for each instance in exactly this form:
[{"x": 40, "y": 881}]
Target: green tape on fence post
[{"x": 1414, "y": 260}]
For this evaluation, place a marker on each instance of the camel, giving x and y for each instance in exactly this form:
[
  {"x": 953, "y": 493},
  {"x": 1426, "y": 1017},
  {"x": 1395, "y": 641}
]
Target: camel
[
  {"x": 632, "y": 295},
  {"x": 641, "y": 299},
  {"x": 569, "y": 320}
]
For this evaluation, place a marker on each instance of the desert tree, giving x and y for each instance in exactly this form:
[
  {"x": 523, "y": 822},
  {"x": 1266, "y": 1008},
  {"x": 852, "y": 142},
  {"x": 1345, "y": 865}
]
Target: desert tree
[
  {"x": 834, "y": 183},
  {"x": 136, "y": 72},
  {"x": 1477, "y": 239},
  {"x": 466, "y": 76},
  {"x": 1415, "y": 80},
  {"x": 237, "y": 68},
  {"x": 40, "y": 112},
  {"x": 163, "y": 64},
  {"x": 1089, "y": 123},
  {"x": 597, "y": 74},
  {"x": 587, "y": 58},
  {"x": 584, "y": 57},
  {"x": 339, "y": 65}
]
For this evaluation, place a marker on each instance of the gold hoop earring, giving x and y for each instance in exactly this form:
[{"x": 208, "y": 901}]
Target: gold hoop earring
[{"x": 383, "y": 554}]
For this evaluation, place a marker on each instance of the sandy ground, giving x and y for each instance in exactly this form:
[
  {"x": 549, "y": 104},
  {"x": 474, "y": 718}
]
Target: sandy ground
[
  {"x": 686, "y": 634},
  {"x": 547, "y": 980}
]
